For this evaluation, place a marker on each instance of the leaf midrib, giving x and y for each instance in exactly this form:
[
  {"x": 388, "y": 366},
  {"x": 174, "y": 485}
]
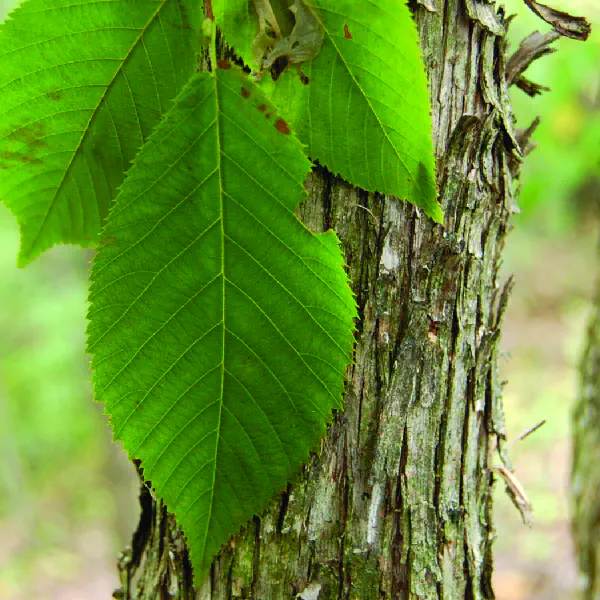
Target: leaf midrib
[
  {"x": 223, "y": 322},
  {"x": 225, "y": 280}
]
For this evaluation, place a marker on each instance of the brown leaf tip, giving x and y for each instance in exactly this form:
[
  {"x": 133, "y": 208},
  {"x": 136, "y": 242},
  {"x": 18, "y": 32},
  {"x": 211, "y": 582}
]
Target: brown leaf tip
[
  {"x": 347, "y": 33},
  {"x": 245, "y": 93},
  {"x": 224, "y": 64},
  {"x": 282, "y": 126}
]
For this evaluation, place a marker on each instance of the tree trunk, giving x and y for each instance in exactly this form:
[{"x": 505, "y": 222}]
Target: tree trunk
[
  {"x": 397, "y": 504},
  {"x": 585, "y": 479}
]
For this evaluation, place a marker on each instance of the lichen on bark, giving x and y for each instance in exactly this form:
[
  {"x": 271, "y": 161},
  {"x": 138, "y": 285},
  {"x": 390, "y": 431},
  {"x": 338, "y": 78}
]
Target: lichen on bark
[{"x": 397, "y": 503}]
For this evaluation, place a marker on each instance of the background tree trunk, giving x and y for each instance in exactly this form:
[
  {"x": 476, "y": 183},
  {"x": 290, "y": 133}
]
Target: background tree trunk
[
  {"x": 397, "y": 504},
  {"x": 585, "y": 482}
]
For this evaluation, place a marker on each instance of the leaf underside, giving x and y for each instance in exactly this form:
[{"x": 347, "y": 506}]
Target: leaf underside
[
  {"x": 364, "y": 110},
  {"x": 220, "y": 327},
  {"x": 82, "y": 84}
]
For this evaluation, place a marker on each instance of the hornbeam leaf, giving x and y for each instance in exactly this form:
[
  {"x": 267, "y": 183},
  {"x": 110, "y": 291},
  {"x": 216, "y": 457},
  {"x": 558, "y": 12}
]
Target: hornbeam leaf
[
  {"x": 361, "y": 105},
  {"x": 220, "y": 326},
  {"x": 82, "y": 85}
]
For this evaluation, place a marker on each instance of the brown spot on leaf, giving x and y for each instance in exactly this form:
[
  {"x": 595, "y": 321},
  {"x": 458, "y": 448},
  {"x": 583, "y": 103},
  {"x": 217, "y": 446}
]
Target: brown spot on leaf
[
  {"x": 245, "y": 93},
  {"x": 224, "y": 64},
  {"x": 262, "y": 107},
  {"x": 282, "y": 126},
  {"x": 409, "y": 180},
  {"x": 14, "y": 157},
  {"x": 55, "y": 95},
  {"x": 347, "y": 33},
  {"x": 267, "y": 115},
  {"x": 183, "y": 12},
  {"x": 108, "y": 241},
  {"x": 304, "y": 79},
  {"x": 29, "y": 134},
  {"x": 26, "y": 154}
]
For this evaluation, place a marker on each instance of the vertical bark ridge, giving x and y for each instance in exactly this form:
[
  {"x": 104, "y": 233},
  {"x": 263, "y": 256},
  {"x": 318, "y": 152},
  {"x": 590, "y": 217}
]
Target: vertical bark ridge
[{"x": 397, "y": 503}]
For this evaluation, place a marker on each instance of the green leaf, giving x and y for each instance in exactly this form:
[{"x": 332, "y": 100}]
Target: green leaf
[
  {"x": 220, "y": 326},
  {"x": 82, "y": 84},
  {"x": 239, "y": 22},
  {"x": 362, "y": 105}
]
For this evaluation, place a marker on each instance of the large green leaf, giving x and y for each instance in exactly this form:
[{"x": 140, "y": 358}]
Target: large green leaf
[
  {"x": 82, "y": 84},
  {"x": 220, "y": 326},
  {"x": 364, "y": 112}
]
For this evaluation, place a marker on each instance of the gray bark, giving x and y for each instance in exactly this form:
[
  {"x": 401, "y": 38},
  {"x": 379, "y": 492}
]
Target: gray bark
[
  {"x": 397, "y": 503},
  {"x": 585, "y": 482}
]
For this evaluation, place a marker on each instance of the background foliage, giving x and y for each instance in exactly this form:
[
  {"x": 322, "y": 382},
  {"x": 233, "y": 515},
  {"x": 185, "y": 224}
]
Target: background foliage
[
  {"x": 561, "y": 177},
  {"x": 552, "y": 253},
  {"x": 67, "y": 495}
]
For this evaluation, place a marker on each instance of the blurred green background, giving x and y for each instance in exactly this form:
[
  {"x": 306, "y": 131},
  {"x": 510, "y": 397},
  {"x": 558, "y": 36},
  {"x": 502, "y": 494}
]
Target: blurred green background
[
  {"x": 68, "y": 495},
  {"x": 553, "y": 253}
]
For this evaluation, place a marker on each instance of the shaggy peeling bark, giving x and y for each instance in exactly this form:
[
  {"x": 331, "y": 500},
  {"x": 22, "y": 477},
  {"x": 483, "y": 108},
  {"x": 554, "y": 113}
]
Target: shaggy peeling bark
[
  {"x": 397, "y": 504},
  {"x": 585, "y": 481}
]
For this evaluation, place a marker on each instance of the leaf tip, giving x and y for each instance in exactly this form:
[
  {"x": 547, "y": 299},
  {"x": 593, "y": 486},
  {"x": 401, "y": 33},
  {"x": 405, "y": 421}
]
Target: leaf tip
[
  {"x": 29, "y": 249},
  {"x": 436, "y": 213},
  {"x": 24, "y": 259}
]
